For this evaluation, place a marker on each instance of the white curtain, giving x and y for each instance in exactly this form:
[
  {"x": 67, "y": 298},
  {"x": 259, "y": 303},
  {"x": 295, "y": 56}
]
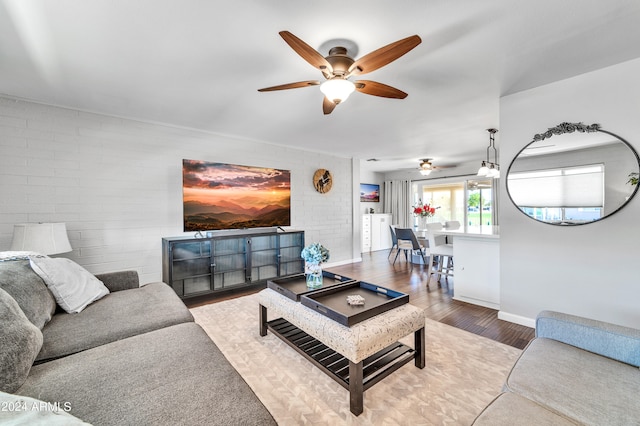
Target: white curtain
[{"x": 397, "y": 201}]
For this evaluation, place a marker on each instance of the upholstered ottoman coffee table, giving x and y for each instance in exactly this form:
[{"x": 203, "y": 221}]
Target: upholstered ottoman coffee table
[{"x": 356, "y": 357}]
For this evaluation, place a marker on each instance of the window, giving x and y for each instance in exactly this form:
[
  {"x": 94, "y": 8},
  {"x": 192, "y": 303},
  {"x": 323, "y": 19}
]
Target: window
[
  {"x": 479, "y": 205},
  {"x": 468, "y": 202},
  {"x": 448, "y": 199}
]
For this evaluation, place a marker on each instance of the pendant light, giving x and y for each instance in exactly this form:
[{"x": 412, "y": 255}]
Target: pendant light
[{"x": 488, "y": 168}]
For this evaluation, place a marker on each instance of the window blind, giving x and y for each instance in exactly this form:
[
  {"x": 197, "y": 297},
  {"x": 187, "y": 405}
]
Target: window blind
[{"x": 581, "y": 186}]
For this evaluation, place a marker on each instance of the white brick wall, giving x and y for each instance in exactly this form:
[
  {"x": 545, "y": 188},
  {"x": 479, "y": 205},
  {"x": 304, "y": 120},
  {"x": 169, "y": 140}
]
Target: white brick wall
[{"x": 117, "y": 183}]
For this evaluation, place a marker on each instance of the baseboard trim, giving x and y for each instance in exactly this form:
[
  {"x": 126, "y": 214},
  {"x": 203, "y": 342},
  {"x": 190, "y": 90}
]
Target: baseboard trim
[
  {"x": 478, "y": 302},
  {"x": 342, "y": 262},
  {"x": 517, "y": 319}
]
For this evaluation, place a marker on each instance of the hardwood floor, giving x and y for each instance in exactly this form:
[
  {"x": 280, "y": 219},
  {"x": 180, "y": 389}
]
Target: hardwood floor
[{"x": 437, "y": 301}]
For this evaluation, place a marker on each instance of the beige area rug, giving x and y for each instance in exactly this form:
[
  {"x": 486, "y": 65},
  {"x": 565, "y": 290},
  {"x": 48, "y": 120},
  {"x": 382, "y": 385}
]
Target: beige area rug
[{"x": 463, "y": 373}]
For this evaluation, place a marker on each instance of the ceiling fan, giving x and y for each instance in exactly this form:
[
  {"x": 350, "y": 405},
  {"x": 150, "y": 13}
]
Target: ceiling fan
[
  {"x": 338, "y": 66},
  {"x": 426, "y": 167}
]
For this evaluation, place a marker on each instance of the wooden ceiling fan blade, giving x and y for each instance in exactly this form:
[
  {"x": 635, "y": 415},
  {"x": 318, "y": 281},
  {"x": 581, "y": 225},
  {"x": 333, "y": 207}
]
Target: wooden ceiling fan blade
[
  {"x": 378, "y": 89},
  {"x": 296, "y": 85},
  {"x": 328, "y": 106},
  {"x": 307, "y": 52},
  {"x": 383, "y": 56}
]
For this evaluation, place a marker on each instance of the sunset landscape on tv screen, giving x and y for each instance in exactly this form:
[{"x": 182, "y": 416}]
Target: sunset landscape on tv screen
[{"x": 230, "y": 196}]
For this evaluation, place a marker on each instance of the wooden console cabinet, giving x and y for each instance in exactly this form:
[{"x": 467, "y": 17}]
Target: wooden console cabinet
[{"x": 227, "y": 260}]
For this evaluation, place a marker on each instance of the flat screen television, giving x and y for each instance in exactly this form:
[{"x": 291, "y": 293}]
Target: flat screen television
[
  {"x": 370, "y": 192},
  {"x": 230, "y": 196}
]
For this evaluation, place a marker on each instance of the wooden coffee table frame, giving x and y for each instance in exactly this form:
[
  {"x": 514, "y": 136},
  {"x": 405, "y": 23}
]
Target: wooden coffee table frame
[{"x": 355, "y": 377}]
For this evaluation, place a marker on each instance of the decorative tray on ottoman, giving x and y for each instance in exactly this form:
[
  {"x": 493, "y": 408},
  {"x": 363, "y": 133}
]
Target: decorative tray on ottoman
[
  {"x": 294, "y": 286},
  {"x": 332, "y": 301}
]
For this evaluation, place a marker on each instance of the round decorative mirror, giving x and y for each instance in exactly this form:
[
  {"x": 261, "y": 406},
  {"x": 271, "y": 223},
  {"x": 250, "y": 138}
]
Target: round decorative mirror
[{"x": 573, "y": 174}]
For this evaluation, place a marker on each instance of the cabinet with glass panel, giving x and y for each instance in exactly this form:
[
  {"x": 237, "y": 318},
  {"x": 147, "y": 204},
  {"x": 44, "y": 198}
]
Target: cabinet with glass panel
[{"x": 216, "y": 263}]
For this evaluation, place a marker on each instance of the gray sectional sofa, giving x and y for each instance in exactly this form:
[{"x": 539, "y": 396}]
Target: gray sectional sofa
[
  {"x": 133, "y": 357},
  {"x": 576, "y": 371}
]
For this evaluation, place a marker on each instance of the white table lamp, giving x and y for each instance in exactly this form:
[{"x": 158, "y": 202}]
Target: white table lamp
[{"x": 45, "y": 238}]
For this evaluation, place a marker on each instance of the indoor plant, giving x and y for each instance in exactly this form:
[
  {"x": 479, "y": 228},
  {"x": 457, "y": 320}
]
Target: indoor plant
[{"x": 314, "y": 255}]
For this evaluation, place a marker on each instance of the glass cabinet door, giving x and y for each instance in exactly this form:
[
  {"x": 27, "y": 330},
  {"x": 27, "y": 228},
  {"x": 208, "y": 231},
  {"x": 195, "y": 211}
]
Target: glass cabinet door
[
  {"x": 264, "y": 257},
  {"x": 291, "y": 246},
  {"x": 191, "y": 263},
  {"x": 229, "y": 263}
]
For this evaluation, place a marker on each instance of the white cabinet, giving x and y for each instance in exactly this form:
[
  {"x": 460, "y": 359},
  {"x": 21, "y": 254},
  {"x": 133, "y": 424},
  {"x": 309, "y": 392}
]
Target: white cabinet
[
  {"x": 376, "y": 234},
  {"x": 366, "y": 233},
  {"x": 476, "y": 268}
]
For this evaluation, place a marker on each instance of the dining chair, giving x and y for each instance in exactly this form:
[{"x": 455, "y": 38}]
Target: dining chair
[
  {"x": 451, "y": 225},
  {"x": 408, "y": 242},
  {"x": 403, "y": 245},
  {"x": 434, "y": 226},
  {"x": 394, "y": 239},
  {"x": 437, "y": 226},
  {"x": 441, "y": 251}
]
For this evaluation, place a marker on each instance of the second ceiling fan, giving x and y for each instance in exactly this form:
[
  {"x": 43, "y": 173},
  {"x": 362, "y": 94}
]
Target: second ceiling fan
[
  {"x": 338, "y": 66},
  {"x": 426, "y": 167}
]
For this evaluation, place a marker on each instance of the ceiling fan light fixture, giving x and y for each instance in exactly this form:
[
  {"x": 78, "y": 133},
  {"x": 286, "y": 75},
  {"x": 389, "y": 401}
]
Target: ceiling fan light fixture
[
  {"x": 426, "y": 167},
  {"x": 337, "y": 89},
  {"x": 340, "y": 65}
]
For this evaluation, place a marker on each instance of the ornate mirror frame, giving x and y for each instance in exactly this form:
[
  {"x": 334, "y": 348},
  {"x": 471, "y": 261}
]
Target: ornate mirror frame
[{"x": 540, "y": 161}]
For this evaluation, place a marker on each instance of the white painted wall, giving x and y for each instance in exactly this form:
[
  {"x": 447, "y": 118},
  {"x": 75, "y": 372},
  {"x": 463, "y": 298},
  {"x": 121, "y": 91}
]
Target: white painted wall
[
  {"x": 589, "y": 270},
  {"x": 117, "y": 183}
]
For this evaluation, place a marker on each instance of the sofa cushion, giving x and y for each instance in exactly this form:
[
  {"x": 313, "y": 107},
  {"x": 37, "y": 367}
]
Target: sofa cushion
[
  {"x": 509, "y": 409},
  {"x": 175, "y": 375},
  {"x": 20, "y": 342},
  {"x": 121, "y": 280},
  {"x": 27, "y": 288},
  {"x": 585, "y": 387},
  {"x": 611, "y": 340},
  {"x": 116, "y": 316},
  {"x": 21, "y": 410},
  {"x": 73, "y": 287}
]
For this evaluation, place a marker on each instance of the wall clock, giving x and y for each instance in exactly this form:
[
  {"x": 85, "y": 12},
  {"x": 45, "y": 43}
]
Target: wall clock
[{"x": 322, "y": 180}]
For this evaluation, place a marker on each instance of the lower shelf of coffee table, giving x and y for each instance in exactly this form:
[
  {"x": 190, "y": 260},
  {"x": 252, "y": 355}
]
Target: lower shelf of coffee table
[{"x": 375, "y": 368}]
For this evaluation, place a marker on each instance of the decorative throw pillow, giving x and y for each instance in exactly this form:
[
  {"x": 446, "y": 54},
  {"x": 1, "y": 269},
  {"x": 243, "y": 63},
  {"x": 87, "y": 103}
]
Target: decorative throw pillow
[
  {"x": 27, "y": 288},
  {"x": 20, "y": 342},
  {"x": 73, "y": 286}
]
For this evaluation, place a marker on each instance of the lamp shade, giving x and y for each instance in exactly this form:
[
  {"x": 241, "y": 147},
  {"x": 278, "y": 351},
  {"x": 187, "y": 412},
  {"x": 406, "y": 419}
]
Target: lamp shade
[
  {"x": 45, "y": 238},
  {"x": 337, "y": 89},
  {"x": 484, "y": 170}
]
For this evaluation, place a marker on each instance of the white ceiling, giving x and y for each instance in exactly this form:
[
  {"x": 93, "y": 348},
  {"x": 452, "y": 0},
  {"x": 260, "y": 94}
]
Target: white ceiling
[{"x": 198, "y": 64}]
